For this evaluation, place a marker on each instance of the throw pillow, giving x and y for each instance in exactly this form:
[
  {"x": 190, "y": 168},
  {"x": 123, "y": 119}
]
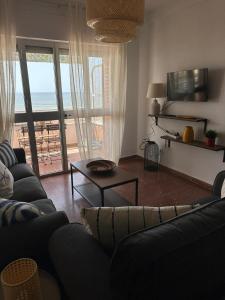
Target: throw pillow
[
  {"x": 7, "y": 155},
  {"x": 12, "y": 212},
  {"x": 6, "y": 182},
  {"x": 110, "y": 224}
]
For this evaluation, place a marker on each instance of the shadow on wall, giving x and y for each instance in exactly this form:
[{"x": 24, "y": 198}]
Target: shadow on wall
[
  {"x": 221, "y": 138},
  {"x": 216, "y": 78}
]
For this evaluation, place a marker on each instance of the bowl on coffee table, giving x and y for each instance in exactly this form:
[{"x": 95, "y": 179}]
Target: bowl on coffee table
[{"x": 101, "y": 166}]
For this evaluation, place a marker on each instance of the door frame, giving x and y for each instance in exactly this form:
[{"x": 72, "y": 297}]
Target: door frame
[{"x": 30, "y": 117}]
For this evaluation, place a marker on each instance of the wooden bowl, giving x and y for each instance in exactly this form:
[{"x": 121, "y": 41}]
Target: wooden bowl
[{"x": 101, "y": 166}]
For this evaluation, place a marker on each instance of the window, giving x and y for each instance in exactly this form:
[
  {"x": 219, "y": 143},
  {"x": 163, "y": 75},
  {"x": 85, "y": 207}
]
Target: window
[
  {"x": 95, "y": 88},
  {"x": 96, "y": 81},
  {"x": 49, "y": 140},
  {"x": 42, "y": 81},
  {"x": 19, "y": 101},
  {"x": 65, "y": 81}
]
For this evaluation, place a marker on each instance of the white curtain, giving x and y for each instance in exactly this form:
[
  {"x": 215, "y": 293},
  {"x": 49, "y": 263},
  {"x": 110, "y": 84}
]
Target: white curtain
[
  {"x": 98, "y": 85},
  {"x": 7, "y": 69}
]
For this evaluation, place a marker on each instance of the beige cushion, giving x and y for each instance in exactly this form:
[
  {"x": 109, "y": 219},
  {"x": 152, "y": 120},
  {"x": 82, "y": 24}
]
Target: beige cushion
[
  {"x": 110, "y": 224},
  {"x": 6, "y": 182}
]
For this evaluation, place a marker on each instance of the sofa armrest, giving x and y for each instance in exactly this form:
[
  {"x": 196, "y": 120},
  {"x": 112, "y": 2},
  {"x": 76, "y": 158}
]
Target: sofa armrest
[
  {"x": 29, "y": 239},
  {"x": 20, "y": 155},
  {"x": 80, "y": 262},
  {"x": 206, "y": 200}
]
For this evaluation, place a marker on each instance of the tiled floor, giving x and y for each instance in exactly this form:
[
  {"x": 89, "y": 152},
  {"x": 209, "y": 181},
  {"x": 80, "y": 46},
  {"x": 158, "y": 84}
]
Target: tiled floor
[{"x": 155, "y": 189}]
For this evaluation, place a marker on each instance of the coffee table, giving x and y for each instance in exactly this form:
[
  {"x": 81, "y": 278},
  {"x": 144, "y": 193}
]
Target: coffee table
[{"x": 99, "y": 185}]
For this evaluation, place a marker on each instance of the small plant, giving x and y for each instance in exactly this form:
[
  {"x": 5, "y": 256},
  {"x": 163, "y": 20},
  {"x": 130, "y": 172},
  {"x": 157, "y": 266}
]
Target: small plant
[{"x": 211, "y": 134}]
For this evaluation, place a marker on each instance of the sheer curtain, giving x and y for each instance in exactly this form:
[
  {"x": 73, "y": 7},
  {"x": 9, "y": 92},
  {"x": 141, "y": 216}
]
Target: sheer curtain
[
  {"x": 7, "y": 69},
  {"x": 98, "y": 75}
]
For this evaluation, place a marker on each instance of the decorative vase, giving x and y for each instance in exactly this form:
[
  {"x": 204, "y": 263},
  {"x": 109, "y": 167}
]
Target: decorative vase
[
  {"x": 188, "y": 134},
  {"x": 155, "y": 107},
  {"x": 210, "y": 142}
]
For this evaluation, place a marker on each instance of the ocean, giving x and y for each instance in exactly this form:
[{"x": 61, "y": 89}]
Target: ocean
[
  {"x": 43, "y": 101},
  {"x": 48, "y": 102}
]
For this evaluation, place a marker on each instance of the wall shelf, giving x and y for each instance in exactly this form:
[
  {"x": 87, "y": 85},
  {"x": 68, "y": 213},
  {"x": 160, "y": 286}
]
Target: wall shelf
[
  {"x": 181, "y": 118},
  {"x": 198, "y": 144}
]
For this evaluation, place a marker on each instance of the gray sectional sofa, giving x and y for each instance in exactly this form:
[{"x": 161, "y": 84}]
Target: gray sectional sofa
[
  {"x": 182, "y": 259},
  {"x": 30, "y": 239}
]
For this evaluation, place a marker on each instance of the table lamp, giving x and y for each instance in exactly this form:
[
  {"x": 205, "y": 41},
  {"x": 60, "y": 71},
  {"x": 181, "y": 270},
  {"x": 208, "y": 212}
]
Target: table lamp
[
  {"x": 156, "y": 90},
  {"x": 20, "y": 280}
]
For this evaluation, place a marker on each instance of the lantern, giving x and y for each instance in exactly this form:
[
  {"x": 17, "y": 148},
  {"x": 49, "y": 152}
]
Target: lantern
[{"x": 151, "y": 156}]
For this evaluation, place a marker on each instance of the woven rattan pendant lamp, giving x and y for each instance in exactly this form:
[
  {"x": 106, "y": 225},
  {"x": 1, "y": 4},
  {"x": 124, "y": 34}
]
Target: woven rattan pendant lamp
[{"x": 115, "y": 21}]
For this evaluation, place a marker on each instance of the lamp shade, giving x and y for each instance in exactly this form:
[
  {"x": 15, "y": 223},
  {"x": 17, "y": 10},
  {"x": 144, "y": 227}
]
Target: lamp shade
[
  {"x": 156, "y": 90},
  {"x": 115, "y": 21},
  {"x": 20, "y": 280}
]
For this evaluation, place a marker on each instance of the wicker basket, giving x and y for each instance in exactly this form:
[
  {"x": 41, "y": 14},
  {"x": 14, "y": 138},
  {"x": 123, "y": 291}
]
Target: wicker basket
[{"x": 20, "y": 280}]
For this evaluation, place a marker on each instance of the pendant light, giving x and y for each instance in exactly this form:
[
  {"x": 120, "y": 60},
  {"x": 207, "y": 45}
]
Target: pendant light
[{"x": 115, "y": 21}]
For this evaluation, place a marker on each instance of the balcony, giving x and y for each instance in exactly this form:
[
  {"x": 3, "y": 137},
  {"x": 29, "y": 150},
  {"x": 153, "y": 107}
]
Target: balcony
[{"x": 48, "y": 143}]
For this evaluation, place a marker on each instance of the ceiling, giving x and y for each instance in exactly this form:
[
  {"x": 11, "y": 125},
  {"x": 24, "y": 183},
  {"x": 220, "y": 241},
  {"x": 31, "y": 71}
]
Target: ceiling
[
  {"x": 155, "y": 5},
  {"x": 151, "y": 5}
]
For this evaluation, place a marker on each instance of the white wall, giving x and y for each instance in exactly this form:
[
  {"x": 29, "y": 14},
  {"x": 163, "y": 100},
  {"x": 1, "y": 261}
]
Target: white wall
[
  {"x": 130, "y": 131},
  {"x": 186, "y": 37},
  {"x": 36, "y": 19},
  {"x": 143, "y": 79}
]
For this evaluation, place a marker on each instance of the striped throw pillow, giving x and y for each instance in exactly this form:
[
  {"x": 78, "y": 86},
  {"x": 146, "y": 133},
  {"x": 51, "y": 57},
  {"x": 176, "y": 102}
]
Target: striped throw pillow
[
  {"x": 13, "y": 212},
  {"x": 110, "y": 224},
  {"x": 7, "y": 155}
]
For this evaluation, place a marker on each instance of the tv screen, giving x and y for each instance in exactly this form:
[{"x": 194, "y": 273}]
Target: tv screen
[{"x": 190, "y": 85}]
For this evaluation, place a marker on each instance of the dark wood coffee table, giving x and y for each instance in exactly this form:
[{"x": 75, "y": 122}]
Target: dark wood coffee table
[{"x": 98, "y": 186}]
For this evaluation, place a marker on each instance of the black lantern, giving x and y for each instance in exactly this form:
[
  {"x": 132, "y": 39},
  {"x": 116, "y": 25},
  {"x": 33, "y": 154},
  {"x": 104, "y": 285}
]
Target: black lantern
[{"x": 151, "y": 156}]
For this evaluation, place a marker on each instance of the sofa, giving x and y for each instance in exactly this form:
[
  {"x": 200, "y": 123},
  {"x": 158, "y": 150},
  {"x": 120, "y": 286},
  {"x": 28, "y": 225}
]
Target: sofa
[
  {"x": 183, "y": 258},
  {"x": 30, "y": 239}
]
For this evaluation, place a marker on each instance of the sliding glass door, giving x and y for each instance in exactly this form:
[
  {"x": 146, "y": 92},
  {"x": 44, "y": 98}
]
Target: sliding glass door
[
  {"x": 44, "y": 122},
  {"x": 40, "y": 127},
  {"x": 69, "y": 123}
]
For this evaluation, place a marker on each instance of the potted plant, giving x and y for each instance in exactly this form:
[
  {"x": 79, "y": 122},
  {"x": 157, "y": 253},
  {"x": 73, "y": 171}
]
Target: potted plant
[{"x": 211, "y": 136}]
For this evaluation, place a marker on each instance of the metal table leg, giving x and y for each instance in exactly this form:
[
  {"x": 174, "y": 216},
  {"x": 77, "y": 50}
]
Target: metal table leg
[{"x": 71, "y": 175}]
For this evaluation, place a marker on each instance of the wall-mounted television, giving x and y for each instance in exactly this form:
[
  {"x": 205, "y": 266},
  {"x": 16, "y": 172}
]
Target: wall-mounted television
[{"x": 190, "y": 85}]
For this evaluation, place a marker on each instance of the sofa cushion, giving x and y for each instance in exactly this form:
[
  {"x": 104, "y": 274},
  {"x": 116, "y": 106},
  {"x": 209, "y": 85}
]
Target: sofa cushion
[
  {"x": 45, "y": 205},
  {"x": 7, "y": 155},
  {"x": 13, "y": 212},
  {"x": 20, "y": 171},
  {"x": 28, "y": 189},
  {"x": 110, "y": 224},
  {"x": 6, "y": 182}
]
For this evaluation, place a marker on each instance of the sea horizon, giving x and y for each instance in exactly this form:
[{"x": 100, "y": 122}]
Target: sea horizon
[{"x": 43, "y": 101}]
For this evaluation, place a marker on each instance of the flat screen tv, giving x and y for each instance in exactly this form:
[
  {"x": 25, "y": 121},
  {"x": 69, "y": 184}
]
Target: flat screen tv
[{"x": 190, "y": 85}]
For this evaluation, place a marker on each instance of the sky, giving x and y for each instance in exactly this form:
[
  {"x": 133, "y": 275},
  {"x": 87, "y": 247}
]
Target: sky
[
  {"x": 43, "y": 89},
  {"x": 41, "y": 77}
]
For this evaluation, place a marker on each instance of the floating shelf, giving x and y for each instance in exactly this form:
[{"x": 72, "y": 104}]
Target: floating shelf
[
  {"x": 181, "y": 118},
  {"x": 198, "y": 144}
]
